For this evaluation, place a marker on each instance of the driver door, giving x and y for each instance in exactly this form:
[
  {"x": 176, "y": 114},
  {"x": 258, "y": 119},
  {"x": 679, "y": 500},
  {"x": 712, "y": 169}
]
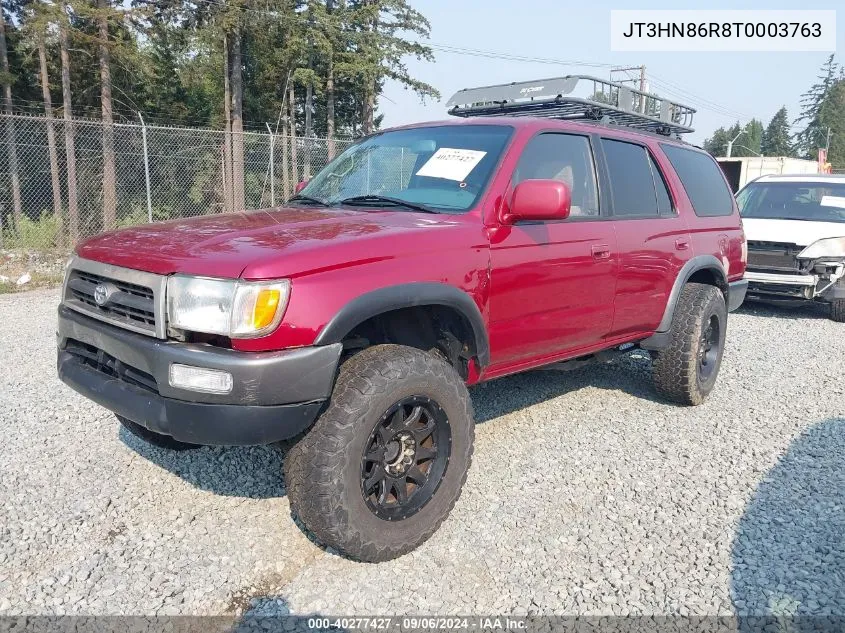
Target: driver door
[{"x": 553, "y": 282}]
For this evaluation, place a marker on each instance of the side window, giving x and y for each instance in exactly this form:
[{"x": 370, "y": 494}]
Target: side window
[
  {"x": 631, "y": 180},
  {"x": 702, "y": 180},
  {"x": 664, "y": 199},
  {"x": 564, "y": 157}
]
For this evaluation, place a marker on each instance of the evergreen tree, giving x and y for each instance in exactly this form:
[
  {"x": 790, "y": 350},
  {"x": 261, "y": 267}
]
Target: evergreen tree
[
  {"x": 832, "y": 119},
  {"x": 746, "y": 140},
  {"x": 776, "y": 138},
  {"x": 382, "y": 27},
  {"x": 7, "y": 78},
  {"x": 750, "y": 141},
  {"x": 814, "y": 133},
  {"x": 717, "y": 145}
]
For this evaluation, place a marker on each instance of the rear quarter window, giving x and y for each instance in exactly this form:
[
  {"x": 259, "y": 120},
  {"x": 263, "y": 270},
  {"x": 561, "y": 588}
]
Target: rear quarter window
[{"x": 702, "y": 180}]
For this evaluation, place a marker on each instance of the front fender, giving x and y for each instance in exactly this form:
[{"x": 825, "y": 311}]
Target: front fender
[{"x": 408, "y": 295}]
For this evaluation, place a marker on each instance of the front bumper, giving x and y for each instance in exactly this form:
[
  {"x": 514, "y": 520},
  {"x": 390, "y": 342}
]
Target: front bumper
[
  {"x": 793, "y": 287},
  {"x": 276, "y": 395}
]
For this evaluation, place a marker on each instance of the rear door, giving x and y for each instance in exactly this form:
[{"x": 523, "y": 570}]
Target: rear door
[
  {"x": 552, "y": 282},
  {"x": 715, "y": 225},
  {"x": 652, "y": 237}
]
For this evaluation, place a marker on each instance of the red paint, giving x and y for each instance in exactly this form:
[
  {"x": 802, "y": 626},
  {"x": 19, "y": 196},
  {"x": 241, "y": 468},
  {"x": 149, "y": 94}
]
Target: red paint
[
  {"x": 546, "y": 290},
  {"x": 538, "y": 200}
]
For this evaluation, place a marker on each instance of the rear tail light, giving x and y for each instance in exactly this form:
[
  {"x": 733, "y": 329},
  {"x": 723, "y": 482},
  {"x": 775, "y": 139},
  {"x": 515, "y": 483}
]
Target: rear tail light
[{"x": 744, "y": 256}]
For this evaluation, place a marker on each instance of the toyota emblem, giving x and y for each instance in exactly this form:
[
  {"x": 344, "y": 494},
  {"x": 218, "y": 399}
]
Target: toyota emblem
[{"x": 101, "y": 295}]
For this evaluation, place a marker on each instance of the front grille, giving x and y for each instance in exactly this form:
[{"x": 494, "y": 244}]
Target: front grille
[
  {"x": 774, "y": 257},
  {"x": 128, "y": 298},
  {"x": 106, "y": 364},
  {"x": 129, "y": 302}
]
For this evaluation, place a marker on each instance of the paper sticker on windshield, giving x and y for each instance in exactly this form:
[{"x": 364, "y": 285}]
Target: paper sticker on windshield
[
  {"x": 451, "y": 164},
  {"x": 833, "y": 201}
]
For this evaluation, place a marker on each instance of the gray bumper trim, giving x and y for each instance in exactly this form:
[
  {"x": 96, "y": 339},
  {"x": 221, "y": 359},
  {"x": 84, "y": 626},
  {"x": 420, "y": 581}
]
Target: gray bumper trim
[{"x": 260, "y": 378}]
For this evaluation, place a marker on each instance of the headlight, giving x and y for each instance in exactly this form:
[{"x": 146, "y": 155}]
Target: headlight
[
  {"x": 828, "y": 247},
  {"x": 234, "y": 308}
]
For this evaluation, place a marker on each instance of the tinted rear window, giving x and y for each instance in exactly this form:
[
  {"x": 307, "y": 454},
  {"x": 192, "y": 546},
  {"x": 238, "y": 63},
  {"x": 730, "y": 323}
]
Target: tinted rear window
[
  {"x": 631, "y": 180},
  {"x": 702, "y": 179}
]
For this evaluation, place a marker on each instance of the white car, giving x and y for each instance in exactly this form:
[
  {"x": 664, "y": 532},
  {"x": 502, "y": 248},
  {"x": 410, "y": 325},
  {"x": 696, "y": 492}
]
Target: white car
[{"x": 795, "y": 227}]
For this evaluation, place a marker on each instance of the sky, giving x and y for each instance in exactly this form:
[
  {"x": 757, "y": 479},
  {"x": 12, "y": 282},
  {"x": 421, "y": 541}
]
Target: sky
[{"x": 723, "y": 87}]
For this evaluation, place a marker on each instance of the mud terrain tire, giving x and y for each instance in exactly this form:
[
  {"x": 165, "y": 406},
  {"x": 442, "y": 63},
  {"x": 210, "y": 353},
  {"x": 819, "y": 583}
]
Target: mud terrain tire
[
  {"x": 686, "y": 371},
  {"x": 328, "y": 471}
]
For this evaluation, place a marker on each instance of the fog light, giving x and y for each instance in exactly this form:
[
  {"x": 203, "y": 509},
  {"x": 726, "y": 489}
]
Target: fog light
[{"x": 200, "y": 379}]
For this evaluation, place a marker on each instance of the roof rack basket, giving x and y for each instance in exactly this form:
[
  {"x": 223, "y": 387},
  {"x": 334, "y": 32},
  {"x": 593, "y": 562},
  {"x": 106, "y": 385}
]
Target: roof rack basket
[{"x": 609, "y": 102}]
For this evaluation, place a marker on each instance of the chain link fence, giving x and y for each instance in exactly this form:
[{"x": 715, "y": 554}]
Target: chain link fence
[{"x": 160, "y": 173}]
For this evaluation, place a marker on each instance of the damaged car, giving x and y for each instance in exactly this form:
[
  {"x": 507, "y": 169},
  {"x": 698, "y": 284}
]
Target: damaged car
[{"x": 795, "y": 226}]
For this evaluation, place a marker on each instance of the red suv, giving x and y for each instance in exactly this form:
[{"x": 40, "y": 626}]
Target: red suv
[{"x": 421, "y": 260}]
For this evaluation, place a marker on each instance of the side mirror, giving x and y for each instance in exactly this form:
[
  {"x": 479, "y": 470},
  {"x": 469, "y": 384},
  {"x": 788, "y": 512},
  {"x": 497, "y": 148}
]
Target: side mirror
[
  {"x": 300, "y": 186},
  {"x": 538, "y": 200}
]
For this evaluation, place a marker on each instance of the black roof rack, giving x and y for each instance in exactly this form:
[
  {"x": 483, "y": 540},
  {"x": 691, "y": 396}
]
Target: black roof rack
[{"x": 608, "y": 102}]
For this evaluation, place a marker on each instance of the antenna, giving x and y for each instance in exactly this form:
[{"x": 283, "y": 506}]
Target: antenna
[{"x": 553, "y": 98}]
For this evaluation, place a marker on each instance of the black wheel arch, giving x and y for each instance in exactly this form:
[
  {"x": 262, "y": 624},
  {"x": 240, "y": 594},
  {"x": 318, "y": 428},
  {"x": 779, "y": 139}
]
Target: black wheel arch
[
  {"x": 410, "y": 295},
  {"x": 701, "y": 269}
]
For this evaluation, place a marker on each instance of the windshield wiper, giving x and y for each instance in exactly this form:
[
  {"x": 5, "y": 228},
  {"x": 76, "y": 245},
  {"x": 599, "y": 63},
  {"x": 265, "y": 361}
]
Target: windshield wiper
[
  {"x": 373, "y": 199},
  {"x": 308, "y": 200}
]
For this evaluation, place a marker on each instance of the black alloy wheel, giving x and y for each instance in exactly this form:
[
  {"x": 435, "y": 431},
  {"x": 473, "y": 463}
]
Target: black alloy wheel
[
  {"x": 405, "y": 458},
  {"x": 709, "y": 348}
]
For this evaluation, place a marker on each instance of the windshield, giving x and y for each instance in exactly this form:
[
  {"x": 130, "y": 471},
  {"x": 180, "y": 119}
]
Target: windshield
[
  {"x": 814, "y": 201},
  {"x": 444, "y": 168}
]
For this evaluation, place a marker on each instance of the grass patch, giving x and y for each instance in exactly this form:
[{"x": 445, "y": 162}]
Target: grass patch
[{"x": 41, "y": 234}]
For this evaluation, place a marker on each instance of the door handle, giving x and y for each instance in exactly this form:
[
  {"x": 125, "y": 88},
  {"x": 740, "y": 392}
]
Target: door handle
[
  {"x": 601, "y": 251},
  {"x": 681, "y": 244}
]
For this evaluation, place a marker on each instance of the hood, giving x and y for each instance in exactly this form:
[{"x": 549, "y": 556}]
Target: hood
[
  {"x": 800, "y": 232},
  {"x": 261, "y": 244}
]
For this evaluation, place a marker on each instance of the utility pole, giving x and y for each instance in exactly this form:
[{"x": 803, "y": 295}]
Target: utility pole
[
  {"x": 642, "y": 88},
  {"x": 146, "y": 169},
  {"x": 731, "y": 144},
  {"x": 641, "y": 81}
]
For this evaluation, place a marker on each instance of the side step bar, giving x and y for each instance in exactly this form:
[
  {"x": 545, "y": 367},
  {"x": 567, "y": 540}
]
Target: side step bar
[{"x": 604, "y": 356}]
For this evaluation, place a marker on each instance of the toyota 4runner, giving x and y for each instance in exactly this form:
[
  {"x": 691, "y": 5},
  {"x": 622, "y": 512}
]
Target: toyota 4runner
[{"x": 420, "y": 261}]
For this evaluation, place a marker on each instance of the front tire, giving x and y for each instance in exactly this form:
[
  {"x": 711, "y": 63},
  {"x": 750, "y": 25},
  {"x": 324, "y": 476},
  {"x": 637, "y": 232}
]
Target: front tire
[
  {"x": 156, "y": 439},
  {"x": 686, "y": 371},
  {"x": 837, "y": 310},
  {"x": 384, "y": 464}
]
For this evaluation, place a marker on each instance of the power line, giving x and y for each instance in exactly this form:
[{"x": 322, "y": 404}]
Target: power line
[
  {"x": 708, "y": 104},
  {"x": 458, "y": 50},
  {"x": 702, "y": 102}
]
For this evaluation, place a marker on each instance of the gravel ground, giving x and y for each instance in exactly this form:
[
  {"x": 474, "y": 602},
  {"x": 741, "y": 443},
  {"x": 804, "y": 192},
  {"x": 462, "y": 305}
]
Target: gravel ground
[{"x": 586, "y": 496}]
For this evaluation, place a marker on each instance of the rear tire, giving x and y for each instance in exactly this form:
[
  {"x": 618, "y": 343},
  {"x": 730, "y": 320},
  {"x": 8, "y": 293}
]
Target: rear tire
[
  {"x": 384, "y": 464},
  {"x": 156, "y": 439},
  {"x": 686, "y": 371},
  {"x": 837, "y": 310}
]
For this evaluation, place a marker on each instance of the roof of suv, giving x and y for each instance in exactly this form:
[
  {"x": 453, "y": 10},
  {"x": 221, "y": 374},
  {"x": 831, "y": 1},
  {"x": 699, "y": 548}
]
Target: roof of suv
[{"x": 537, "y": 123}]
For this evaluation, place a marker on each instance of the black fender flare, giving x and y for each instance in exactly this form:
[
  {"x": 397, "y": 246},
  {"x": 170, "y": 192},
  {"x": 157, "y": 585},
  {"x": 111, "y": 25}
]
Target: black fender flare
[
  {"x": 692, "y": 266},
  {"x": 409, "y": 295}
]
